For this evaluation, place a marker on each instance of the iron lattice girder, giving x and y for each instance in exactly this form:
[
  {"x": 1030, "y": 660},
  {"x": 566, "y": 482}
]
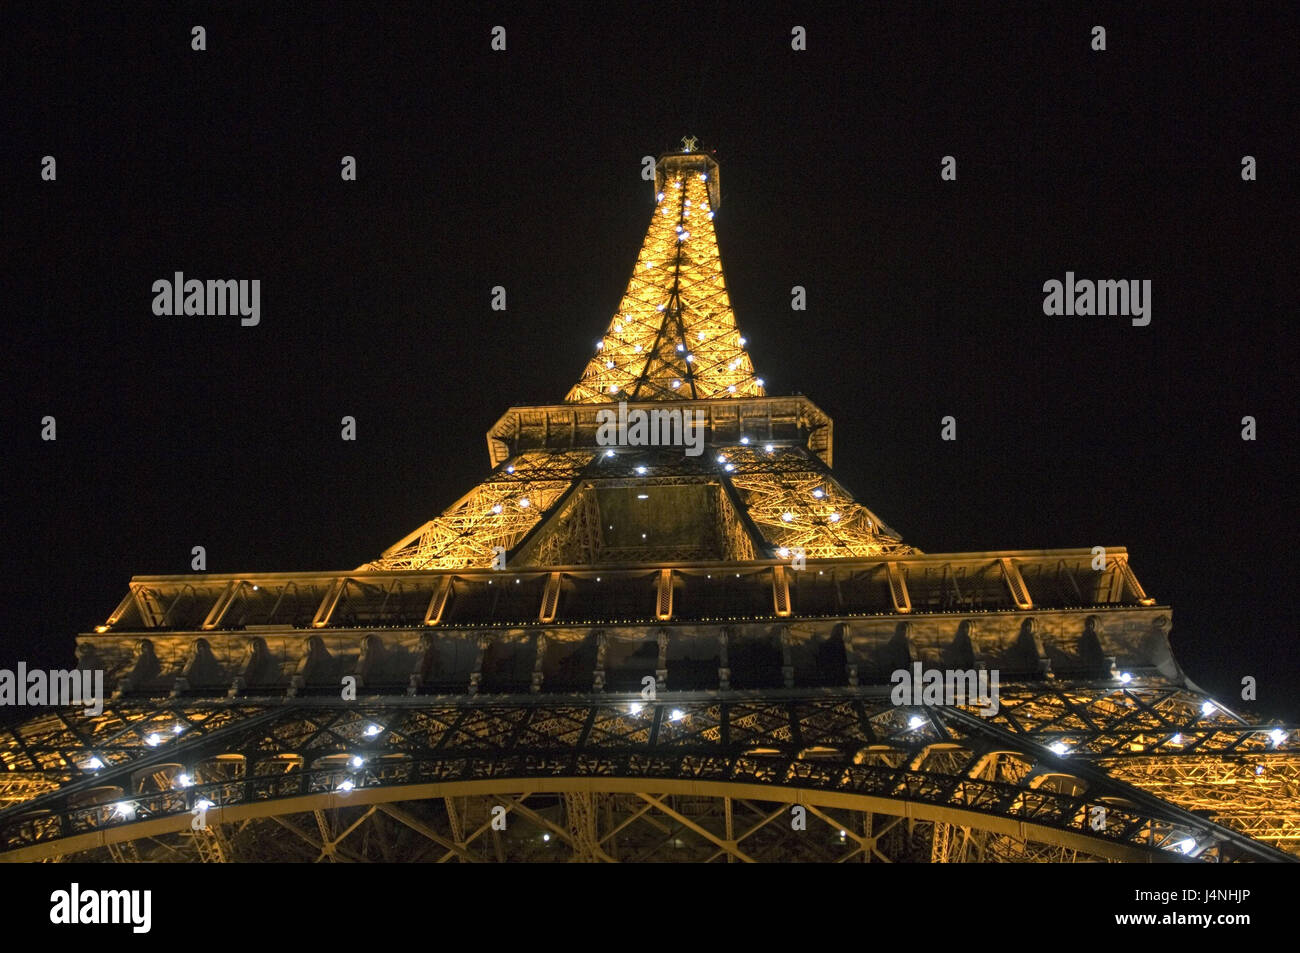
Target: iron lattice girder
[
  {"x": 787, "y": 494},
  {"x": 788, "y": 423},
  {"x": 674, "y": 333},
  {"x": 634, "y": 827},
  {"x": 857, "y": 745},
  {"x": 395, "y": 597}
]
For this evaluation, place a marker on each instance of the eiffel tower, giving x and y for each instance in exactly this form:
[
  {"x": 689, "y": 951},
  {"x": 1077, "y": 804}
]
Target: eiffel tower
[{"x": 623, "y": 648}]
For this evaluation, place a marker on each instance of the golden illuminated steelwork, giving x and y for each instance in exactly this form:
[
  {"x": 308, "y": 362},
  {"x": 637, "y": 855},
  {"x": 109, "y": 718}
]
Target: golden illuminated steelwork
[
  {"x": 673, "y": 341},
  {"x": 674, "y": 335},
  {"x": 498, "y": 654}
]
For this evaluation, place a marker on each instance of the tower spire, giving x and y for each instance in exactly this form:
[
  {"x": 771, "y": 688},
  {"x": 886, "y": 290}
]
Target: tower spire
[{"x": 674, "y": 335}]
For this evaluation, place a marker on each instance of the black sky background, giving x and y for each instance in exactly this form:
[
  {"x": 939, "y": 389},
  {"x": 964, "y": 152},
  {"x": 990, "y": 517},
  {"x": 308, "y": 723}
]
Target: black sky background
[{"x": 522, "y": 169}]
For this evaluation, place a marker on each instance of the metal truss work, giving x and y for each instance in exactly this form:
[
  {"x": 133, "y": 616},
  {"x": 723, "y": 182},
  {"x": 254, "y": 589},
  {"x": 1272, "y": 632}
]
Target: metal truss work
[
  {"x": 673, "y": 341},
  {"x": 498, "y": 512},
  {"x": 495, "y": 651},
  {"x": 806, "y": 509},
  {"x": 624, "y": 828},
  {"x": 674, "y": 334},
  {"x": 130, "y": 774},
  {"x": 776, "y": 500}
]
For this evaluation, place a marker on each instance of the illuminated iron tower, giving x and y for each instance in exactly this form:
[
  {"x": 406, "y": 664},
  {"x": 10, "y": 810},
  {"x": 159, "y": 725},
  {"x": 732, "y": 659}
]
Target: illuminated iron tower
[{"x": 618, "y": 647}]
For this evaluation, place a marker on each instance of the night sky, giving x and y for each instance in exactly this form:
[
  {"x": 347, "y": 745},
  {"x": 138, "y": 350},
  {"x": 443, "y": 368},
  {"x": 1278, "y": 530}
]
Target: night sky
[{"x": 522, "y": 169}]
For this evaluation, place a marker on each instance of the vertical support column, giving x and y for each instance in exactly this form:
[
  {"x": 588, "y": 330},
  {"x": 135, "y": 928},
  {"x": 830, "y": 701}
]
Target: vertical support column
[
  {"x": 730, "y": 828},
  {"x": 538, "y": 663},
  {"x": 598, "y": 676},
  {"x": 724, "y": 670},
  {"x": 661, "y": 668},
  {"x": 423, "y": 664},
  {"x": 850, "y": 657},
  {"x": 787, "y": 664},
  {"x": 476, "y": 676}
]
